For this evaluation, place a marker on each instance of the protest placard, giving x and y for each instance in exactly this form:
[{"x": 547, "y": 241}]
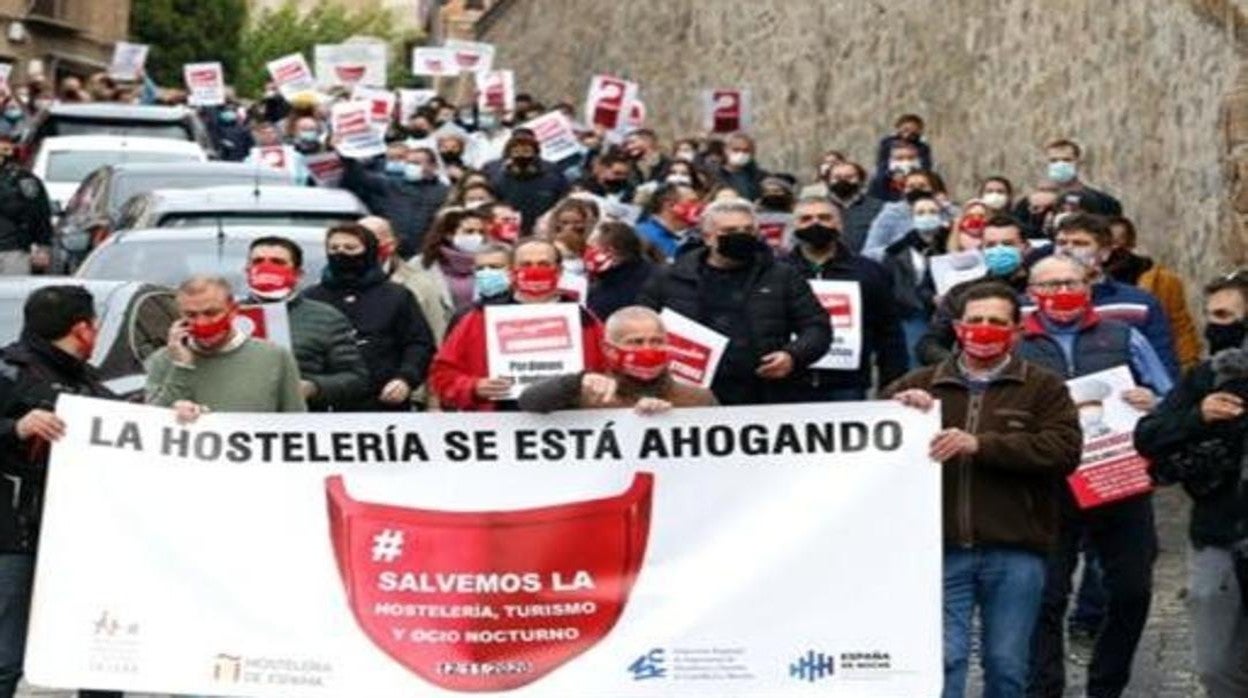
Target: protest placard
[
  {"x": 949, "y": 270},
  {"x": 532, "y": 341},
  {"x": 292, "y": 75},
  {"x": 726, "y": 110},
  {"x": 128, "y": 60},
  {"x": 205, "y": 84},
  {"x": 350, "y": 64},
  {"x": 356, "y": 133},
  {"x": 695, "y": 349},
  {"x": 1110, "y": 469},
  {"x": 843, "y": 302}
]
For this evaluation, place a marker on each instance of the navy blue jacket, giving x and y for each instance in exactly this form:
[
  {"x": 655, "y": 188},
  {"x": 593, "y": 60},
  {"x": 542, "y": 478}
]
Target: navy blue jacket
[
  {"x": 409, "y": 206},
  {"x": 617, "y": 287}
]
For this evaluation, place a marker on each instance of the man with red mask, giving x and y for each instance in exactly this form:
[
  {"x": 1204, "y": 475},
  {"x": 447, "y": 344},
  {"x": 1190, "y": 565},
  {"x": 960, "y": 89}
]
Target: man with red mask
[
  {"x": 671, "y": 210},
  {"x": 333, "y": 375},
  {"x": 1068, "y": 336},
  {"x": 50, "y": 358},
  {"x": 207, "y": 364},
  {"x": 637, "y": 373},
  {"x": 460, "y": 376},
  {"x": 1011, "y": 434}
]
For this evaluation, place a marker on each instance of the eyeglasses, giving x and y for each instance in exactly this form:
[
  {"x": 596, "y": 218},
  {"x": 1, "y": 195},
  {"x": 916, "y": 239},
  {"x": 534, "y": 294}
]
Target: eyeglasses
[{"x": 1059, "y": 284}]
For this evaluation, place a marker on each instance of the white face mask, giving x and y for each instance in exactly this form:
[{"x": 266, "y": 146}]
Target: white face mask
[
  {"x": 738, "y": 159},
  {"x": 686, "y": 155},
  {"x": 996, "y": 200},
  {"x": 467, "y": 242},
  {"x": 679, "y": 179}
]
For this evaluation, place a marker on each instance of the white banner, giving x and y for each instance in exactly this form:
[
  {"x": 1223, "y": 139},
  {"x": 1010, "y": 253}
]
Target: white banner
[
  {"x": 435, "y": 61},
  {"x": 724, "y": 552},
  {"x": 351, "y": 64},
  {"x": 128, "y": 60},
  {"x": 695, "y": 348},
  {"x": 843, "y": 302},
  {"x": 380, "y": 104},
  {"x": 205, "y": 84},
  {"x": 1110, "y": 468},
  {"x": 532, "y": 341},
  {"x": 496, "y": 91},
  {"x": 949, "y": 270},
  {"x": 292, "y": 75},
  {"x": 609, "y": 102},
  {"x": 411, "y": 100},
  {"x": 283, "y": 158},
  {"x": 555, "y": 134},
  {"x": 726, "y": 111},
  {"x": 358, "y": 136},
  {"x": 471, "y": 56}
]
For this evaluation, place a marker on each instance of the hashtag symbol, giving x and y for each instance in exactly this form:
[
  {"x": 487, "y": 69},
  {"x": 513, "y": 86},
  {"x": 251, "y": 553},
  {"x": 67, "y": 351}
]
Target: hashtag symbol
[{"x": 387, "y": 545}]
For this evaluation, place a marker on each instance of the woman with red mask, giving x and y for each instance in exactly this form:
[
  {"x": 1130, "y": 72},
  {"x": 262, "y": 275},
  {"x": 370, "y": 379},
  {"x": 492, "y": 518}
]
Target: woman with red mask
[{"x": 460, "y": 375}]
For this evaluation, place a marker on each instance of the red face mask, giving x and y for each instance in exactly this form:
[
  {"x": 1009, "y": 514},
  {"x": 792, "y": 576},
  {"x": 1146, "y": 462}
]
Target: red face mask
[
  {"x": 974, "y": 225},
  {"x": 985, "y": 341},
  {"x": 1064, "y": 306},
  {"x": 208, "y": 332},
  {"x": 386, "y": 251},
  {"x": 688, "y": 211},
  {"x": 639, "y": 363},
  {"x": 506, "y": 230},
  {"x": 391, "y": 556},
  {"x": 598, "y": 259},
  {"x": 536, "y": 281},
  {"x": 271, "y": 281}
]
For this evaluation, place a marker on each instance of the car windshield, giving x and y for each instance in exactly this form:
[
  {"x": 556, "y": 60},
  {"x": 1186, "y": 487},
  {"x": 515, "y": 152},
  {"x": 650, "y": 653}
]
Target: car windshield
[
  {"x": 75, "y": 165},
  {"x": 130, "y": 184},
  {"x": 170, "y": 262},
  {"x": 66, "y": 126},
  {"x": 236, "y": 218}
]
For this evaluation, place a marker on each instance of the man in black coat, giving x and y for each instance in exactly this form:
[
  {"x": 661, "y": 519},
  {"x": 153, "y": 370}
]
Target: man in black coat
[
  {"x": 525, "y": 182},
  {"x": 409, "y": 198},
  {"x": 821, "y": 255},
  {"x": 58, "y": 336},
  {"x": 734, "y": 286}
]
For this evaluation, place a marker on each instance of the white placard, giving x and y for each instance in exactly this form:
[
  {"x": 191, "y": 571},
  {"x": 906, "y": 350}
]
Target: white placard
[
  {"x": 326, "y": 168},
  {"x": 351, "y": 64},
  {"x": 128, "y": 60},
  {"x": 731, "y": 551},
  {"x": 843, "y": 302},
  {"x": 434, "y": 61},
  {"x": 411, "y": 100},
  {"x": 471, "y": 56},
  {"x": 609, "y": 101},
  {"x": 696, "y": 349},
  {"x": 531, "y": 341},
  {"x": 949, "y": 270},
  {"x": 283, "y": 158},
  {"x": 496, "y": 91},
  {"x": 381, "y": 104},
  {"x": 292, "y": 75},
  {"x": 205, "y": 84},
  {"x": 267, "y": 321},
  {"x": 726, "y": 110},
  {"x": 358, "y": 137},
  {"x": 1110, "y": 468},
  {"x": 555, "y": 134}
]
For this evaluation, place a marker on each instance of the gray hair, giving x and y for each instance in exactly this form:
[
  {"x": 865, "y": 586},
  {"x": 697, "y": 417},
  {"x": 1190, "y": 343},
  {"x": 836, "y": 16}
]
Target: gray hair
[
  {"x": 202, "y": 282},
  {"x": 1055, "y": 260},
  {"x": 729, "y": 206},
  {"x": 627, "y": 314}
]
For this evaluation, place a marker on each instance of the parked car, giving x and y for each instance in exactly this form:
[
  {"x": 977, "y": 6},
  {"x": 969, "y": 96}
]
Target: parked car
[
  {"x": 109, "y": 119},
  {"x": 63, "y": 162},
  {"x": 238, "y": 205},
  {"x": 168, "y": 256},
  {"x": 91, "y": 213},
  {"x": 134, "y": 322}
]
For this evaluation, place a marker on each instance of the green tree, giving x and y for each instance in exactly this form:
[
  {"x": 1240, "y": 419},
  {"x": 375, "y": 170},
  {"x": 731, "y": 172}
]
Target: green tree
[
  {"x": 188, "y": 31},
  {"x": 284, "y": 30}
]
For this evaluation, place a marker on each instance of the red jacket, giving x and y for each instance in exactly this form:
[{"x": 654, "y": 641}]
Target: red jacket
[{"x": 461, "y": 361}]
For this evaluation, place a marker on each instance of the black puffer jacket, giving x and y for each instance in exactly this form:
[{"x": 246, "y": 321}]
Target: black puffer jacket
[
  {"x": 780, "y": 313},
  {"x": 409, "y": 206}
]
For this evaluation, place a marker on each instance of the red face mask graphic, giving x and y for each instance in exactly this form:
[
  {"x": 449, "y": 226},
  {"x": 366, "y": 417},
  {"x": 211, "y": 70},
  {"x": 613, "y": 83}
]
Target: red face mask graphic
[
  {"x": 493, "y": 600},
  {"x": 688, "y": 211},
  {"x": 271, "y": 281},
  {"x": 985, "y": 341},
  {"x": 536, "y": 281},
  {"x": 1064, "y": 306},
  {"x": 505, "y": 229},
  {"x": 209, "y": 332},
  {"x": 598, "y": 259},
  {"x": 640, "y": 363}
]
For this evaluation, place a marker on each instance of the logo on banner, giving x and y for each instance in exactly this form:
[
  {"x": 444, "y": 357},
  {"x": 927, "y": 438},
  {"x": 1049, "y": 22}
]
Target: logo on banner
[
  {"x": 489, "y": 601},
  {"x": 812, "y": 667},
  {"x": 523, "y": 336},
  {"x": 840, "y": 309},
  {"x": 650, "y": 665},
  {"x": 350, "y": 74},
  {"x": 690, "y": 360},
  {"x": 115, "y": 644},
  {"x": 232, "y": 669},
  {"x": 227, "y": 668}
]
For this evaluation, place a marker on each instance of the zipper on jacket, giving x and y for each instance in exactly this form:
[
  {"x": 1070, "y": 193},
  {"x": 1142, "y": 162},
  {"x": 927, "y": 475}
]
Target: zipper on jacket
[{"x": 966, "y": 532}]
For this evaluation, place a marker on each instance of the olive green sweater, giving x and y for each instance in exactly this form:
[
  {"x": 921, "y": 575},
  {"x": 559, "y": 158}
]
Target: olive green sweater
[{"x": 248, "y": 376}]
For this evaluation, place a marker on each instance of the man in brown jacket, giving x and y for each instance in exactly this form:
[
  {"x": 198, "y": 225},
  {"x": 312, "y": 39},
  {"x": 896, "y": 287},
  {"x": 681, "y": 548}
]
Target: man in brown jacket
[
  {"x": 1011, "y": 434},
  {"x": 636, "y": 351}
]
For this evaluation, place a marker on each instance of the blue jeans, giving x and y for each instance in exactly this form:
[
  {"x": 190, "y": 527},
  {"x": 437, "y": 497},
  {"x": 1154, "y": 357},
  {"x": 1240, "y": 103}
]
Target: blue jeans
[
  {"x": 1006, "y": 585},
  {"x": 16, "y": 577},
  {"x": 912, "y": 330}
]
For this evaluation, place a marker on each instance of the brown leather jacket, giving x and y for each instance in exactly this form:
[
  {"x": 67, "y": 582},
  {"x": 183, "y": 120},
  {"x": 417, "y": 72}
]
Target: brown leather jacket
[{"x": 1029, "y": 440}]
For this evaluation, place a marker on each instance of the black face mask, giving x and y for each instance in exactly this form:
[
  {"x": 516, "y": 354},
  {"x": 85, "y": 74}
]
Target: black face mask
[
  {"x": 842, "y": 188},
  {"x": 739, "y": 247},
  {"x": 452, "y": 158},
  {"x": 615, "y": 185},
  {"x": 818, "y": 236},
  {"x": 418, "y": 132},
  {"x": 348, "y": 266},
  {"x": 915, "y": 194},
  {"x": 775, "y": 202},
  {"x": 1228, "y": 336}
]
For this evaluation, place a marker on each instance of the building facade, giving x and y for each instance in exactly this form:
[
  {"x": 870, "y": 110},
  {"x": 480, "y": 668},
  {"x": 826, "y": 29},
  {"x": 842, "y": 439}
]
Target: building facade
[{"x": 61, "y": 37}]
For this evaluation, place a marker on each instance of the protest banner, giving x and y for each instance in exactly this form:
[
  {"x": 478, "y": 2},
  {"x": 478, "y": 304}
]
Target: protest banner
[
  {"x": 726, "y": 111},
  {"x": 267, "y": 321},
  {"x": 434, "y": 61},
  {"x": 292, "y": 75},
  {"x": 205, "y": 84},
  {"x": 776, "y": 229},
  {"x": 471, "y": 56},
  {"x": 949, "y": 270},
  {"x": 1110, "y": 469},
  {"x": 358, "y": 136},
  {"x": 283, "y": 158},
  {"x": 843, "y": 302},
  {"x": 529, "y": 342},
  {"x": 705, "y": 552},
  {"x": 496, "y": 91},
  {"x": 694, "y": 348},
  {"x": 325, "y": 168},
  {"x": 128, "y": 61},
  {"x": 411, "y": 100},
  {"x": 555, "y": 135},
  {"x": 380, "y": 104},
  {"x": 608, "y": 102},
  {"x": 351, "y": 64}
]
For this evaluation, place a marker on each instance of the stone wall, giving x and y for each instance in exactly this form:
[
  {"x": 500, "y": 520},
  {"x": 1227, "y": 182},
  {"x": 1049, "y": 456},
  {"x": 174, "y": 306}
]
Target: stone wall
[{"x": 1152, "y": 88}]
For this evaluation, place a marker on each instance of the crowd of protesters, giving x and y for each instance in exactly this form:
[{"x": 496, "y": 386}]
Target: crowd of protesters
[{"x": 466, "y": 214}]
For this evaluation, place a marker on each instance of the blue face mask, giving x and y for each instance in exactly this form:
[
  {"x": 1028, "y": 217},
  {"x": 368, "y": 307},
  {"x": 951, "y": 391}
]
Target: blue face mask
[
  {"x": 227, "y": 116},
  {"x": 413, "y": 172},
  {"x": 1061, "y": 171},
  {"x": 13, "y": 113},
  {"x": 927, "y": 222},
  {"x": 395, "y": 167},
  {"x": 309, "y": 135},
  {"x": 1002, "y": 260},
  {"x": 487, "y": 283}
]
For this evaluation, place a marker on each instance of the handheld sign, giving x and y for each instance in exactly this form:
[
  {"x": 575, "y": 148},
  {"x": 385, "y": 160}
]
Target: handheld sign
[
  {"x": 843, "y": 302},
  {"x": 434, "y": 61},
  {"x": 496, "y": 91},
  {"x": 726, "y": 111},
  {"x": 695, "y": 349},
  {"x": 358, "y": 137},
  {"x": 325, "y": 168},
  {"x": 949, "y": 270},
  {"x": 411, "y": 100},
  {"x": 351, "y": 64},
  {"x": 267, "y": 321},
  {"x": 292, "y": 75},
  {"x": 128, "y": 60},
  {"x": 471, "y": 56},
  {"x": 533, "y": 341},
  {"x": 555, "y": 135},
  {"x": 608, "y": 101},
  {"x": 380, "y": 103},
  {"x": 1110, "y": 469},
  {"x": 205, "y": 84}
]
